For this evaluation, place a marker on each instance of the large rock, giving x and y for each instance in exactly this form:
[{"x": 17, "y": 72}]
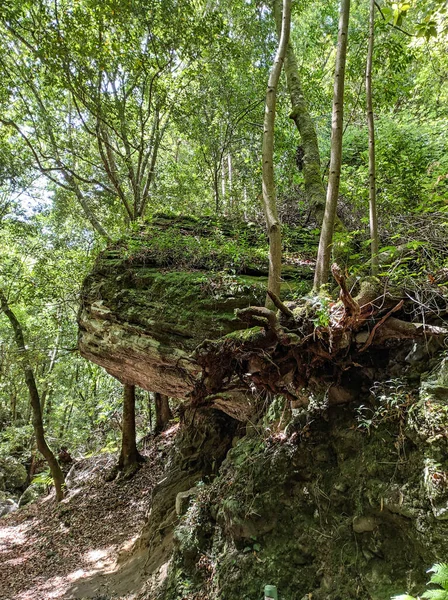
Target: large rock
[
  {"x": 12, "y": 474},
  {"x": 7, "y": 506},
  {"x": 31, "y": 494},
  {"x": 153, "y": 297},
  {"x": 435, "y": 385}
]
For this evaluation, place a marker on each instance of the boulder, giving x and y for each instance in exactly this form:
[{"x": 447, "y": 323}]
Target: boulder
[
  {"x": 155, "y": 296},
  {"x": 12, "y": 474},
  {"x": 7, "y": 506},
  {"x": 31, "y": 494},
  {"x": 435, "y": 385},
  {"x": 184, "y": 499}
]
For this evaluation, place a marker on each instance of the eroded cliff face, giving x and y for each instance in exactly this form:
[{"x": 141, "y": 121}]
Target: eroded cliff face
[
  {"x": 312, "y": 458},
  {"x": 345, "y": 503}
]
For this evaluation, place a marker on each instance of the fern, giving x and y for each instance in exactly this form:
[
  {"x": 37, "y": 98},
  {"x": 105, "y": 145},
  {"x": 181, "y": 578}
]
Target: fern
[
  {"x": 43, "y": 478},
  {"x": 436, "y": 594},
  {"x": 439, "y": 577}
]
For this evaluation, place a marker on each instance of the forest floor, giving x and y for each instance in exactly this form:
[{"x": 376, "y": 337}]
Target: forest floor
[{"x": 49, "y": 551}]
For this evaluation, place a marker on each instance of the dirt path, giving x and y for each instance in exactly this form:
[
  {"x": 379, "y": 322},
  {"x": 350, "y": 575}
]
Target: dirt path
[{"x": 49, "y": 551}]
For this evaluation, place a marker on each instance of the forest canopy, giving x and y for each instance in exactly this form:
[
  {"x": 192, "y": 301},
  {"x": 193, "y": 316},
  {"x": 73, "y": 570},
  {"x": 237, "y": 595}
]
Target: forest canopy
[{"x": 114, "y": 113}]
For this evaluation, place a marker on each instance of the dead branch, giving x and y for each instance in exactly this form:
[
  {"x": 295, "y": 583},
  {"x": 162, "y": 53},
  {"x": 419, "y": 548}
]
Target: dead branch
[
  {"x": 352, "y": 307},
  {"x": 258, "y": 315},
  {"x": 380, "y": 322},
  {"x": 398, "y": 329},
  {"x": 279, "y": 304}
]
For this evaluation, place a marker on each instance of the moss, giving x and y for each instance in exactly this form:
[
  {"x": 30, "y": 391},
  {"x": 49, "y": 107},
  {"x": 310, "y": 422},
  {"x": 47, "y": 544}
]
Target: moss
[
  {"x": 283, "y": 512},
  {"x": 181, "y": 279},
  {"x": 246, "y": 335}
]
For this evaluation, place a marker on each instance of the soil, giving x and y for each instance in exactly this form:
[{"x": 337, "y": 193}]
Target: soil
[{"x": 70, "y": 550}]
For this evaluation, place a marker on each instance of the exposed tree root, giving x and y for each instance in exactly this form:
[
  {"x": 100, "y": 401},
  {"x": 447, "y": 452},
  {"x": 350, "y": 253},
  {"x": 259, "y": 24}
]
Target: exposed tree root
[{"x": 308, "y": 344}]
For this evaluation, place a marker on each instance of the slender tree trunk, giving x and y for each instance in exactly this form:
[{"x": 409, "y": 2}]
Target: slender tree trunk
[
  {"x": 230, "y": 174},
  {"x": 69, "y": 418},
  {"x": 48, "y": 408},
  {"x": 223, "y": 182},
  {"x": 326, "y": 236},
  {"x": 46, "y": 387},
  {"x": 314, "y": 188},
  {"x": 374, "y": 243},
  {"x": 14, "y": 407},
  {"x": 149, "y": 410},
  {"x": 62, "y": 427},
  {"x": 269, "y": 193},
  {"x": 42, "y": 446},
  {"x": 129, "y": 456},
  {"x": 216, "y": 189},
  {"x": 163, "y": 413}
]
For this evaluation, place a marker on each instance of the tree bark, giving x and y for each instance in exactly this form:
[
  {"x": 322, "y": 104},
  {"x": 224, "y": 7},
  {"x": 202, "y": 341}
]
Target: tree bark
[
  {"x": 163, "y": 413},
  {"x": 39, "y": 432},
  {"x": 129, "y": 455},
  {"x": 269, "y": 193},
  {"x": 46, "y": 385},
  {"x": 374, "y": 243},
  {"x": 326, "y": 236},
  {"x": 314, "y": 188}
]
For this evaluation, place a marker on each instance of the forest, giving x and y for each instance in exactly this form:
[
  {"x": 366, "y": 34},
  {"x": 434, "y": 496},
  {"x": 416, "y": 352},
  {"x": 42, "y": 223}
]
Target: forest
[{"x": 223, "y": 299}]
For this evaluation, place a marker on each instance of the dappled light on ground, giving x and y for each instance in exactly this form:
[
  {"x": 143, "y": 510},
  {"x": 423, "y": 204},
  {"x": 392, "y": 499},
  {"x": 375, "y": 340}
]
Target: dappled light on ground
[{"x": 48, "y": 550}]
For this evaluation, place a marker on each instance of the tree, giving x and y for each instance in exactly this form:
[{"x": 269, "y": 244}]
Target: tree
[
  {"x": 163, "y": 412},
  {"x": 326, "y": 236},
  {"x": 374, "y": 243},
  {"x": 129, "y": 455},
  {"x": 269, "y": 195},
  {"x": 97, "y": 102},
  {"x": 35, "y": 401},
  {"x": 300, "y": 114}
]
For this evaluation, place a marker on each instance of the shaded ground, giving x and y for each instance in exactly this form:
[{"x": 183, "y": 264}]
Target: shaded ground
[{"x": 49, "y": 551}]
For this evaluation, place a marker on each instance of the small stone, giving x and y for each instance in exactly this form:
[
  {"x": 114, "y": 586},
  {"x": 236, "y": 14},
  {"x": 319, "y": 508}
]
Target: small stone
[
  {"x": 364, "y": 524},
  {"x": 440, "y": 512},
  {"x": 7, "y": 506},
  {"x": 341, "y": 486},
  {"x": 183, "y": 500}
]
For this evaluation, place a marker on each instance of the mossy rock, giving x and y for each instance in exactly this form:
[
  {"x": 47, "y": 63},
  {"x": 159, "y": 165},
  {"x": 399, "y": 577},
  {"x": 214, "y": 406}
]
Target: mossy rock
[
  {"x": 158, "y": 293},
  {"x": 12, "y": 474}
]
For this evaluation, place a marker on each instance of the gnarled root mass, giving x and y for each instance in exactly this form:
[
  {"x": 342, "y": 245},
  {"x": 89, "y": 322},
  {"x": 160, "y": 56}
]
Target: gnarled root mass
[{"x": 312, "y": 345}]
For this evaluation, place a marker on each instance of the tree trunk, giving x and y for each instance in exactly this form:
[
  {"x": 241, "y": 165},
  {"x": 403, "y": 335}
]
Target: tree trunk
[
  {"x": 374, "y": 243},
  {"x": 326, "y": 236},
  {"x": 14, "y": 407},
  {"x": 46, "y": 385},
  {"x": 163, "y": 413},
  {"x": 230, "y": 175},
  {"x": 129, "y": 456},
  {"x": 42, "y": 446},
  {"x": 216, "y": 189},
  {"x": 223, "y": 182},
  {"x": 314, "y": 188},
  {"x": 269, "y": 194}
]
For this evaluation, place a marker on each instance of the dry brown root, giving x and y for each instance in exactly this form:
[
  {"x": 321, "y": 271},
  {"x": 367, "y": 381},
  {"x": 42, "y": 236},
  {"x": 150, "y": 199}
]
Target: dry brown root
[{"x": 287, "y": 351}]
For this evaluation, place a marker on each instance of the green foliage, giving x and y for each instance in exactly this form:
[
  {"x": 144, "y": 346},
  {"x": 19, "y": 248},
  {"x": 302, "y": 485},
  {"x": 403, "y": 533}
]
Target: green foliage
[
  {"x": 43, "y": 479},
  {"x": 16, "y": 441},
  {"x": 205, "y": 243},
  {"x": 411, "y": 164},
  {"x": 439, "y": 577},
  {"x": 390, "y": 402}
]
